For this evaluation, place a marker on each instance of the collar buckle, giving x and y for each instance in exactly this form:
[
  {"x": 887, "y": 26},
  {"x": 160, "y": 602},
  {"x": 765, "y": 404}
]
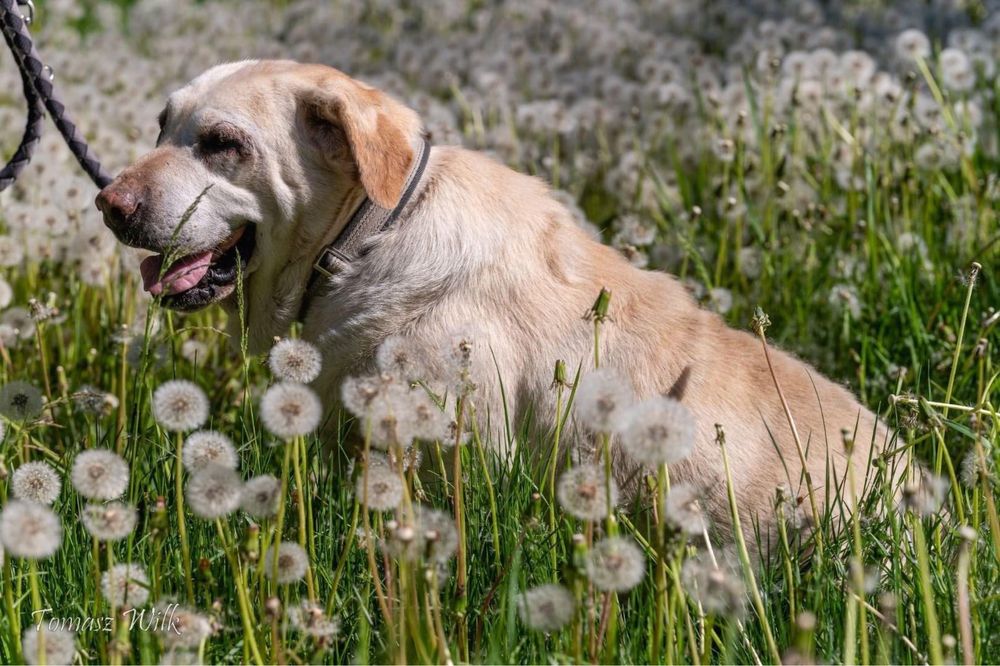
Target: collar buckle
[{"x": 330, "y": 262}]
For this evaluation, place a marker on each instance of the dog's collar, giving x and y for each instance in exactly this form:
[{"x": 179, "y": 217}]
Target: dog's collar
[{"x": 368, "y": 220}]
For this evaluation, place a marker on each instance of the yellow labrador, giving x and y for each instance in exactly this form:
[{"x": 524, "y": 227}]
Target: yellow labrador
[{"x": 261, "y": 165}]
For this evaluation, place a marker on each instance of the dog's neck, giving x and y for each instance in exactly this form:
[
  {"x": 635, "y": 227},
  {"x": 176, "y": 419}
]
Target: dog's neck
[{"x": 367, "y": 220}]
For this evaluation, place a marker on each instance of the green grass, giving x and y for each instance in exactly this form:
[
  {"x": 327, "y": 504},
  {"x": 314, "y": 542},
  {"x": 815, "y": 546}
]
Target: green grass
[{"x": 919, "y": 332}]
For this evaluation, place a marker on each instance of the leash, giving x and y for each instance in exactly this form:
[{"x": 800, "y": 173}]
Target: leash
[{"x": 41, "y": 96}]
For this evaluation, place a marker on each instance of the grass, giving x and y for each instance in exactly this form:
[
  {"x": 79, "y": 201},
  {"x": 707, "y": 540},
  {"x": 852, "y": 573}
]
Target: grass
[{"x": 886, "y": 587}]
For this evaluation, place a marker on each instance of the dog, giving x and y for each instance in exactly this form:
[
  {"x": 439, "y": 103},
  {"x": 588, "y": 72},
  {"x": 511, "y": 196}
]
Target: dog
[{"x": 261, "y": 165}]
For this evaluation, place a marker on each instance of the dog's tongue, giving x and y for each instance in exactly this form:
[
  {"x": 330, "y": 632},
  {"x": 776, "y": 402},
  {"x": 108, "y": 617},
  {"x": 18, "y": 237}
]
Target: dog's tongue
[{"x": 181, "y": 276}]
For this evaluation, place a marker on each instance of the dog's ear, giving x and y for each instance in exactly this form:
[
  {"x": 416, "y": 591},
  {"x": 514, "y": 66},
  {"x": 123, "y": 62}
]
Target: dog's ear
[{"x": 377, "y": 132}]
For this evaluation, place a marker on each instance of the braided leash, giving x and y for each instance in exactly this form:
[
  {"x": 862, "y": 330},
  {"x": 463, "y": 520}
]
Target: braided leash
[{"x": 40, "y": 95}]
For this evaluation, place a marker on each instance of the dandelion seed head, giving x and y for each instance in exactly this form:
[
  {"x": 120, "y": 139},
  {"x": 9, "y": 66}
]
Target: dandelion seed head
[
  {"x": 18, "y": 319},
  {"x": 293, "y": 562},
  {"x": 911, "y": 45},
  {"x": 546, "y": 608},
  {"x": 658, "y": 430},
  {"x": 113, "y": 521},
  {"x": 99, "y": 474},
  {"x": 615, "y": 564},
  {"x": 60, "y": 645},
  {"x": 36, "y": 482},
  {"x": 94, "y": 402},
  {"x": 359, "y": 393},
  {"x": 683, "y": 509},
  {"x": 208, "y": 447},
  {"x": 431, "y": 536},
  {"x": 214, "y": 492},
  {"x": 194, "y": 351},
  {"x": 20, "y": 401},
  {"x": 125, "y": 586},
  {"x": 458, "y": 352},
  {"x": 311, "y": 619},
  {"x": 184, "y": 628},
  {"x": 974, "y": 467},
  {"x": 399, "y": 357},
  {"x": 602, "y": 398},
  {"x": 29, "y": 530},
  {"x": 260, "y": 496},
  {"x": 379, "y": 487},
  {"x": 180, "y": 405},
  {"x": 924, "y": 495},
  {"x": 439, "y": 534},
  {"x": 290, "y": 410},
  {"x": 583, "y": 492},
  {"x": 716, "y": 586},
  {"x": 6, "y": 294},
  {"x": 296, "y": 361}
]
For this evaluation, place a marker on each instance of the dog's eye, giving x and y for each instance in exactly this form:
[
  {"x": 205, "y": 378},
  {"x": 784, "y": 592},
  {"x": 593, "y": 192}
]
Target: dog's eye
[
  {"x": 218, "y": 143},
  {"x": 221, "y": 141}
]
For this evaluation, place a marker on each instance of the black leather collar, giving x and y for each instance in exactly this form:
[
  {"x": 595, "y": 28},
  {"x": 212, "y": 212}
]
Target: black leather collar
[{"x": 369, "y": 219}]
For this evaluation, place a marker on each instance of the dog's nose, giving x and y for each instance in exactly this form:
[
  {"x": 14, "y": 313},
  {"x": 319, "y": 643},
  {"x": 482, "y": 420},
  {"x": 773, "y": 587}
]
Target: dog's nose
[{"x": 119, "y": 203}]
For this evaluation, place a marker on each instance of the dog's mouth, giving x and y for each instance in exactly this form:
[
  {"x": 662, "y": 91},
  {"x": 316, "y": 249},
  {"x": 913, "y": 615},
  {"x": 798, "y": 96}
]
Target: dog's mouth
[{"x": 193, "y": 281}]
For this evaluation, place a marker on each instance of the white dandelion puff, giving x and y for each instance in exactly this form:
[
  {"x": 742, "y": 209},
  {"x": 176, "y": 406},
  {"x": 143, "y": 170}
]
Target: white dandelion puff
[
  {"x": 36, "y": 482},
  {"x": 290, "y": 410},
  {"x": 399, "y": 357},
  {"x": 602, "y": 398},
  {"x": 99, "y": 474},
  {"x": 715, "y": 585},
  {"x": 546, "y": 608},
  {"x": 683, "y": 509},
  {"x": 208, "y": 447},
  {"x": 439, "y": 534},
  {"x": 125, "y": 586},
  {"x": 431, "y": 536},
  {"x": 109, "y": 522},
  {"x": 924, "y": 495},
  {"x": 214, "y": 492},
  {"x": 182, "y": 627},
  {"x": 615, "y": 564},
  {"x": 583, "y": 492},
  {"x": 6, "y": 294},
  {"x": 29, "y": 530},
  {"x": 311, "y": 619},
  {"x": 658, "y": 430},
  {"x": 911, "y": 45},
  {"x": 292, "y": 563},
  {"x": 20, "y": 401},
  {"x": 60, "y": 645},
  {"x": 379, "y": 487},
  {"x": 260, "y": 495},
  {"x": 295, "y": 361},
  {"x": 94, "y": 402},
  {"x": 180, "y": 405}
]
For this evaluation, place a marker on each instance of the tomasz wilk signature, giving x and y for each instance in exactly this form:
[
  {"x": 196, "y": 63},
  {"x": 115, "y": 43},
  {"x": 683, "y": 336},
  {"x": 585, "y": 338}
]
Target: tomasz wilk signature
[{"x": 147, "y": 619}]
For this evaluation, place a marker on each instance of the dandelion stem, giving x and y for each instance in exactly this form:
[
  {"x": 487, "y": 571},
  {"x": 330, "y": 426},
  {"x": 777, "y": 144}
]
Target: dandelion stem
[
  {"x": 461, "y": 589},
  {"x": 742, "y": 549},
  {"x": 279, "y": 523},
  {"x": 181, "y": 521},
  {"x": 760, "y": 327},
  {"x": 973, "y": 274},
  {"x": 36, "y": 606},
  {"x": 926, "y": 590},
  {"x": 301, "y": 506},
  {"x": 246, "y": 613},
  {"x": 490, "y": 492}
]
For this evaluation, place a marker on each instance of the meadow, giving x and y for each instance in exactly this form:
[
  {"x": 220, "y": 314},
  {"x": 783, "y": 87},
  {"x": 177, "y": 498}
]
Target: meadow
[{"x": 825, "y": 174}]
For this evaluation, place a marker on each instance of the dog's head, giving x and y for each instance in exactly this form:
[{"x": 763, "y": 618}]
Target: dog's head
[{"x": 255, "y": 169}]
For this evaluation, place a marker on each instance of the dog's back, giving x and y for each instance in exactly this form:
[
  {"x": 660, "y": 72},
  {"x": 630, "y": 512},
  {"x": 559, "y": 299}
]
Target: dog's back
[{"x": 527, "y": 274}]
